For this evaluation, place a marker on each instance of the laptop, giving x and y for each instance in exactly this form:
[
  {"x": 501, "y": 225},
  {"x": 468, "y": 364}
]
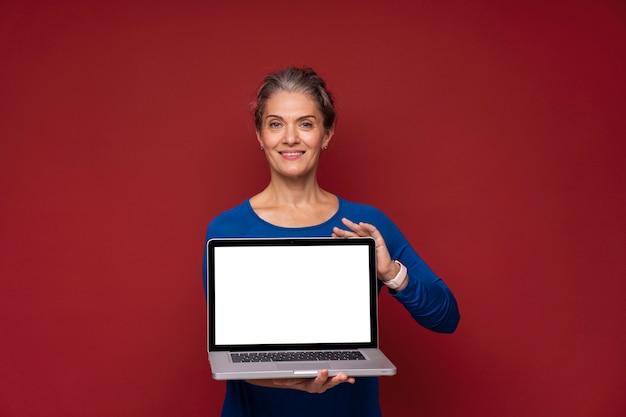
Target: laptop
[{"x": 290, "y": 307}]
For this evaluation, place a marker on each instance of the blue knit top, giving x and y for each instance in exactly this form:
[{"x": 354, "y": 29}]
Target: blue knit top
[{"x": 426, "y": 298}]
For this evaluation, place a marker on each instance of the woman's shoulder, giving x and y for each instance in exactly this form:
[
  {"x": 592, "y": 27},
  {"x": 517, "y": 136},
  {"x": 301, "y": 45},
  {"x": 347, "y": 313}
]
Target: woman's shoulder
[
  {"x": 359, "y": 209},
  {"x": 236, "y": 211},
  {"x": 360, "y": 212},
  {"x": 232, "y": 222}
]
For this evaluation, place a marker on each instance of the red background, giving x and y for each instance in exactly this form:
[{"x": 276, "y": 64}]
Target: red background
[{"x": 492, "y": 133}]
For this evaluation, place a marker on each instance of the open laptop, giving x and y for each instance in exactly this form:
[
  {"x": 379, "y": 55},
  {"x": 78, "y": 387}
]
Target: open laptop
[{"x": 290, "y": 307}]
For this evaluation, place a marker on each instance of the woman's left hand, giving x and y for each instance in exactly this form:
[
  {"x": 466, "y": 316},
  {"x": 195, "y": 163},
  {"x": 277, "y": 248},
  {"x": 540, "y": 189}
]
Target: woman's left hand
[{"x": 387, "y": 268}]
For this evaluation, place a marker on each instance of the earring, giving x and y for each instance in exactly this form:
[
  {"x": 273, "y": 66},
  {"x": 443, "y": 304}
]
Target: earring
[
  {"x": 262, "y": 147},
  {"x": 325, "y": 147}
]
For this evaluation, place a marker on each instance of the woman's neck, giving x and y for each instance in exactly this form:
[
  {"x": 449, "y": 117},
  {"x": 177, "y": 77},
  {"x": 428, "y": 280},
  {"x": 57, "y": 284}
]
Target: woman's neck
[{"x": 294, "y": 204}]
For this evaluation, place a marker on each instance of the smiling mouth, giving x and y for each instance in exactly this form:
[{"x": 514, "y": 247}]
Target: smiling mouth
[{"x": 292, "y": 153}]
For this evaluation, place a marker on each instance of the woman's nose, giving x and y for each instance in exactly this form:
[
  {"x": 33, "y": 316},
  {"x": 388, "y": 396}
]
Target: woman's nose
[{"x": 291, "y": 136}]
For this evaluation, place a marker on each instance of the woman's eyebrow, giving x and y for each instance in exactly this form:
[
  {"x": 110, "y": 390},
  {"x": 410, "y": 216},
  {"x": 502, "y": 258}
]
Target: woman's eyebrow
[{"x": 308, "y": 116}]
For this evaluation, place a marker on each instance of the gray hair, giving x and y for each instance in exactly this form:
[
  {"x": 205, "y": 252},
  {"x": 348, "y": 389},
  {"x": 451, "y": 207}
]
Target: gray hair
[{"x": 293, "y": 79}]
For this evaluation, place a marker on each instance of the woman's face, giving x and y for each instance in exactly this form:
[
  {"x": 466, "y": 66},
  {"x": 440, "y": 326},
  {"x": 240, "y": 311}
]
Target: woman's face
[{"x": 292, "y": 134}]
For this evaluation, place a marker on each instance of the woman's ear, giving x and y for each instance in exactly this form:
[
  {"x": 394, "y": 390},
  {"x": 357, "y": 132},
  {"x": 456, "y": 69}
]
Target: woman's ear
[
  {"x": 258, "y": 138},
  {"x": 329, "y": 135}
]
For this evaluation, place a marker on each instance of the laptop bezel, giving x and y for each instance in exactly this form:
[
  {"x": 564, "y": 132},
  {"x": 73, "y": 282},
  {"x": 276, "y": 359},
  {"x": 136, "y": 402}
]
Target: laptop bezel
[{"x": 372, "y": 287}]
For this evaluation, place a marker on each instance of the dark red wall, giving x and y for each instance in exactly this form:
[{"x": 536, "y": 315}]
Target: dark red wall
[{"x": 493, "y": 135}]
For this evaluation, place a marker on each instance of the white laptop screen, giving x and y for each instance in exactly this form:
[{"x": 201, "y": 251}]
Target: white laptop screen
[{"x": 292, "y": 294}]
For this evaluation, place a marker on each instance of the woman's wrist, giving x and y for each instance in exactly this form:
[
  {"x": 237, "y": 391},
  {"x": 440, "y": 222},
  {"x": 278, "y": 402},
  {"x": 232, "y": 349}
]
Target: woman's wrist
[
  {"x": 394, "y": 268},
  {"x": 399, "y": 280}
]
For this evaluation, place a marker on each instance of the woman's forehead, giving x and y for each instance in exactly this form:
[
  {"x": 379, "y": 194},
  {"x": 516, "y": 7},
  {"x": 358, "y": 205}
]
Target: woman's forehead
[{"x": 291, "y": 101}]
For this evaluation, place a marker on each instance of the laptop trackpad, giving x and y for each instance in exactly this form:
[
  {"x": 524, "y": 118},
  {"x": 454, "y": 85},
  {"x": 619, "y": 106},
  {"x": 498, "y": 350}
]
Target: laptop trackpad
[{"x": 307, "y": 366}]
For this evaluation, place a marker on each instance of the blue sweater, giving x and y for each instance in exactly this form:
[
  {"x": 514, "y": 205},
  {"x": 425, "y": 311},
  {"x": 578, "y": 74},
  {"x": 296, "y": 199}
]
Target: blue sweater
[{"x": 426, "y": 298}]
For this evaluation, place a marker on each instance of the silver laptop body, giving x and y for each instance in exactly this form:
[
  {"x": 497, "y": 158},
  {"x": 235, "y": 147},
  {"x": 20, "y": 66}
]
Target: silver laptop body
[{"x": 290, "y": 307}]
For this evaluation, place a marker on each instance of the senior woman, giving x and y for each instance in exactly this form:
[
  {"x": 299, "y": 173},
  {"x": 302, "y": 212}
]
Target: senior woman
[{"x": 295, "y": 122}]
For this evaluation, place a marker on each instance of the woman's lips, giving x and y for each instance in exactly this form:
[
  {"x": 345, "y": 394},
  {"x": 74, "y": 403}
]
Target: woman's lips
[{"x": 291, "y": 154}]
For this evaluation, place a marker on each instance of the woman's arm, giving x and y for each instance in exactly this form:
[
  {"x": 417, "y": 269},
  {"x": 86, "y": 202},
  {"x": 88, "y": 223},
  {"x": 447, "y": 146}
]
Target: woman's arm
[{"x": 423, "y": 294}]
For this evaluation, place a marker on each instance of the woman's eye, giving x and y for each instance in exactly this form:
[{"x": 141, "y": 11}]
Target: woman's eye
[
  {"x": 274, "y": 125},
  {"x": 306, "y": 125}
]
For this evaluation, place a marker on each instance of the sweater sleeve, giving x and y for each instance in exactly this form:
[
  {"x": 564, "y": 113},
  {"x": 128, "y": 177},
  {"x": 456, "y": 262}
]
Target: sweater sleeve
[{"x": 430, "y": 303}]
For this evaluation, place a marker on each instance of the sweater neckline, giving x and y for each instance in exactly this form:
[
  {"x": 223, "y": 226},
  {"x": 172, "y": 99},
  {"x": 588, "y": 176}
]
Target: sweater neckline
[{"x": 331, "y": 221}]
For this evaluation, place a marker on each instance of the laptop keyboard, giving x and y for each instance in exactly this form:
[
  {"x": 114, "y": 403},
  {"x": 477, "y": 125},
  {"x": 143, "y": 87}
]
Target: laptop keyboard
[{"x": 350, "y": 355}]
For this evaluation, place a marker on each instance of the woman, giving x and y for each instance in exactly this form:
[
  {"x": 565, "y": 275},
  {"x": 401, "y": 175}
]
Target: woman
[{"x": 295, "y": 122}]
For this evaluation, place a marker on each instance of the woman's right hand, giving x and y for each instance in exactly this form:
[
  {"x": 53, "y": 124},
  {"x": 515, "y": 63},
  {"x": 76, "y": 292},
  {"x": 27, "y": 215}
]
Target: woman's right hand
[{"x": 321, "y": 383}]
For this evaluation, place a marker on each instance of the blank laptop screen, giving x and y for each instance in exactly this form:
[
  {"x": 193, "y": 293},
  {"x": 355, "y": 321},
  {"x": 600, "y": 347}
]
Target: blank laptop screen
[{"x": 280, "y": 295}]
